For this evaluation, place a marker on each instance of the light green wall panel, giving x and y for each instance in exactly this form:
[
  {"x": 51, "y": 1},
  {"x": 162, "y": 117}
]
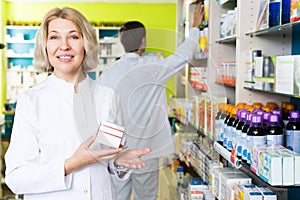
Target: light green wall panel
[{"x": 159, "y": 19}]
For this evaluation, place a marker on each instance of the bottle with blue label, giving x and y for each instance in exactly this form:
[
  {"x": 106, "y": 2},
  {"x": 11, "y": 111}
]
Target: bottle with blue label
[
  {"x": 230, "y": 128},
  {"x": 238, "y": 129},
  {"x": 293, "y": 132},
  {"x": 228, "y": 108},
  {"x": 221, "y": 114},
  {"x": 244, "y": 136},
  {"x": 274, "y": 131},
  {"x": 234, "y": 133},
  {"x": 255, "y": 136}
]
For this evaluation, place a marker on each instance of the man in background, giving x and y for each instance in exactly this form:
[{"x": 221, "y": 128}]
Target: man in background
[{"x": 140, "y": 81}]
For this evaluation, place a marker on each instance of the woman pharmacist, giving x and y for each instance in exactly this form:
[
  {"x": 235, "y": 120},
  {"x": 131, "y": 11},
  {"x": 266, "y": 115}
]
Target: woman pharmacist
[{"x": 52, "y": 153}]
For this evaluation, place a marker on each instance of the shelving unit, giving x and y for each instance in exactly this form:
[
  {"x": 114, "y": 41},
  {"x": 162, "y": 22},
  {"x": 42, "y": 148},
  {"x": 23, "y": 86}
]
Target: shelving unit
[
  {"x": 20, "y": 45},
  {"x": 220, "y": 49},
  {"x": 271, "y": 41},
  {"x": 278, "y": 40},
  {"x": 110, "y": 48},
  {"x": 282, "y": 192},
  {"x": 20, "y": 74}
]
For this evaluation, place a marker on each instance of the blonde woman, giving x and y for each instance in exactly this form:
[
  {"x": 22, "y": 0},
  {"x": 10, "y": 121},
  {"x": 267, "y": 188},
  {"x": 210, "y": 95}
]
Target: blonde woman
[{"x": 53, "y": 154}]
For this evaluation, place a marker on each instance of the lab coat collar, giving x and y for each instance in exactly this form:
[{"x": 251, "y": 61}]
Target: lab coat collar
[
  {"x": 65, "y": 86},
  {"x": 131, "y": 55}
]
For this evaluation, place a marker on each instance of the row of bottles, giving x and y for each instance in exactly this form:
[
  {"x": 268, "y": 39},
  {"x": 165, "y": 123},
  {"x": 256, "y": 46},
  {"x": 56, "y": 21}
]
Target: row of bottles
[{"x": 243, "y": 126}]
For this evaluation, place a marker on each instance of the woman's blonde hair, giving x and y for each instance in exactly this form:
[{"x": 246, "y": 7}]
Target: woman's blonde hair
[{"x": 91, "y": 46}]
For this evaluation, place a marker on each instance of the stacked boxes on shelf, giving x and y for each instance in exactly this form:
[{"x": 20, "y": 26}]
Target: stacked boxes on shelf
[
  {"x": 198, "y": 78},
  {"x": 226, "y": 73},
  {"x": 274, "y": 73},
  {"x": 276, "y": 12},
  {"x": 203, "y": 162},
  {"x": 199, "y": 111},
  {"x": 276, "y": 165}
]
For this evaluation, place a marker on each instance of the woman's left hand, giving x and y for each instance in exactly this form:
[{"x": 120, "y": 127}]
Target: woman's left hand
[{"x": 132, "y": 158}]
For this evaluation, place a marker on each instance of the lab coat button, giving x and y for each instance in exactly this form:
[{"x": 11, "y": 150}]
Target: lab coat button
[{"x": 85, "y": 190}]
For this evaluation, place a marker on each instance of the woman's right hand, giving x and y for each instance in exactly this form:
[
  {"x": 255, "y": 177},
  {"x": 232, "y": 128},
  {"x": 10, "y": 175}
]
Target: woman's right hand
[{"x": 84, "y": 156}]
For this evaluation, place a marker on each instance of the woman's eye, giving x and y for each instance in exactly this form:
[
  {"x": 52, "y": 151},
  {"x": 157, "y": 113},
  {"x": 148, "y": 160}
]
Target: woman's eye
[
  {"x": 53, "y": 37},
  {"x": 74, "y": 37}
]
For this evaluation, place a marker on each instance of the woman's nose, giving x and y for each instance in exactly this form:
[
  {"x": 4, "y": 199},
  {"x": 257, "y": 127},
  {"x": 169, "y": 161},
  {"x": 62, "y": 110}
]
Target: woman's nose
[{"x": 65, "y": 44}]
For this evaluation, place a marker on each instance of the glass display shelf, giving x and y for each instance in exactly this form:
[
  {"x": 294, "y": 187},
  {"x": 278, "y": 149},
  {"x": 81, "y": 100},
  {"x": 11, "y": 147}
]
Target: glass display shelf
[
  {"x": 227, "y": 3},
  {"x": 229, "y": 39},
  {"x": 271, "y": 92},
  {"x": 276, "y": 30}
]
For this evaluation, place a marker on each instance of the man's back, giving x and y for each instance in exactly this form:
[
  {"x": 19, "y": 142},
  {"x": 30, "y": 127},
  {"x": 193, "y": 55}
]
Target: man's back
[{"x": 143, "y": 98}]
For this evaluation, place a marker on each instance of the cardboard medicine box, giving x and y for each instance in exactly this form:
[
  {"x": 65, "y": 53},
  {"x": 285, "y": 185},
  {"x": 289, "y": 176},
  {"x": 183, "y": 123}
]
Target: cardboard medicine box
[
  {"x": 110, "y": 134},
  {"x": 231, "y": 179},
  {"x": 270, "y": 167},
  {"x": 287, "y": 167},
  {"x": 287, "y": 73}
]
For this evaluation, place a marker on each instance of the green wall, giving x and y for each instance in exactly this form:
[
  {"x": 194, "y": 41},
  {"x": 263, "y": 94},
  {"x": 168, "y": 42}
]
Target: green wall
[{"x": 159, "y": 19}]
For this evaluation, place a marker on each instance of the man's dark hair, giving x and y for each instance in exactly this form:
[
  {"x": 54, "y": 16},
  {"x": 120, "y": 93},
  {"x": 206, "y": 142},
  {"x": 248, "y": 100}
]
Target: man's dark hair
[{"x": 131, "y": 35}]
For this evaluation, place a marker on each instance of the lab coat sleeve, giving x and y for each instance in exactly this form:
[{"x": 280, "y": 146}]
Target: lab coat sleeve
[
  {"x": 183, "y": 54},
  {"x": 121, "y": 173},
  {"x": 25, "y": 173}
]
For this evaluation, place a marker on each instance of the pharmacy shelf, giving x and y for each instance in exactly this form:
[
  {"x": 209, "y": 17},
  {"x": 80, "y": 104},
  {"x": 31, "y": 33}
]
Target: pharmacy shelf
[
  {"x": 229, "y": 39},
  {"x": 282, "y": 192},
  {"x": 276, "y": 30},
  {"x": 226, "y": 2},
  {"x": 192, "y": 127},
  {"x": 271, "y": 92}
]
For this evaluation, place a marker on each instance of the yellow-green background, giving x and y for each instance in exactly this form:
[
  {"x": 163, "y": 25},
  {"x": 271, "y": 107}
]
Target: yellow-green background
[{"x": 159, "y": 19}]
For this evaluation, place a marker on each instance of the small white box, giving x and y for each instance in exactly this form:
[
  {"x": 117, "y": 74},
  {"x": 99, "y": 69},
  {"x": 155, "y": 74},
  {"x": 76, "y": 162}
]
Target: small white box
[
  {"x": 255, "y": 195},
  {"x": 296, "y": 166},
  {"x": 110, "y": 134},
  {"x": 247, "y": 189},
  {"x": 270, "y": 167},
  {"x": 230, "y": 179},
  {"x": 258, "y": 71},
  {"x": 287, "y": 74},
  {"x": 217, "y": 179},
  {"x": 196, "y": 188},
  {"x": 287, "y": 168},
  {"x": 267, "y": 193}
]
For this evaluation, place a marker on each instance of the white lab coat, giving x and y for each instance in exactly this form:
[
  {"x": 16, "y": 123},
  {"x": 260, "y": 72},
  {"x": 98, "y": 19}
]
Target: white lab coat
[
  {"x": 140, "y": 81},
  {"x": 47, "y": 130}
]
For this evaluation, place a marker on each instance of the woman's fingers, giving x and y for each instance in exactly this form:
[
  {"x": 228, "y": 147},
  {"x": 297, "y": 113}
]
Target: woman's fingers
[
  {"x": 89, "y": 141},
  {"x": 132, "y": 158},
  {"x": 140, "y": 152},
  {"x": 105, "y": 154}
]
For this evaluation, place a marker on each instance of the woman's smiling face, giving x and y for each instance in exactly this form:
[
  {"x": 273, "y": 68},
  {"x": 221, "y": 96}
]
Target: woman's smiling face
[{"x": 65, "y": 48}]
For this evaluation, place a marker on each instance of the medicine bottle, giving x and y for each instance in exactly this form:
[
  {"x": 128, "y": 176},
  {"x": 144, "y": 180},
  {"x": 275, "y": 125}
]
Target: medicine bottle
[
  {"x": 244, "y": 136},
  {"x": 238, "y": 130},
  {"x": 274, "y": 131},
  {"x": 220, "y": 116},
  {"x": 228, "y": 108},
  {"x": 230, "y": 128},
  {"x": 293, "y": 132},
  {"x": 286, "y": 113},
  {"x": 255, "y": 136}
]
